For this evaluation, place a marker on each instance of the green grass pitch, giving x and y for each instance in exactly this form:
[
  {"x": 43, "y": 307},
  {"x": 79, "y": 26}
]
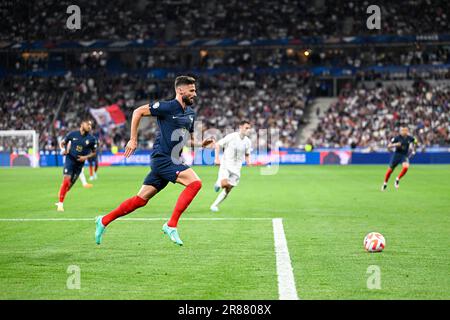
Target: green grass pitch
[{"x": 326, "y": 211}]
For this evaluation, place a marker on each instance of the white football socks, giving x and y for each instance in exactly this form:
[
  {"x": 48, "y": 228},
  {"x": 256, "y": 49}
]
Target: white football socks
[
  {"x": 220, "y": 198},
  {"x": 83, "y": 178}
]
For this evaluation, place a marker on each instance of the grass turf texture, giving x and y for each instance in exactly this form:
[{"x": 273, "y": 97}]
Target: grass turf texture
[{"x": 326, "y": 211}]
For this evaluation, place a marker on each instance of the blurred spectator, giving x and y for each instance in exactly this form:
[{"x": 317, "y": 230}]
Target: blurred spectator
[
  {"x": 369, "y": 118},
  {"x": 270, "y": 101},
  {"x": 23, "y": 20}
]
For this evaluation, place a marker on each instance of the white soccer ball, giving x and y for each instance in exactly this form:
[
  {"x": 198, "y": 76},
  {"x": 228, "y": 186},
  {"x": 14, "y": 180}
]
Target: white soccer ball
[{"x": 374, "y": 242}]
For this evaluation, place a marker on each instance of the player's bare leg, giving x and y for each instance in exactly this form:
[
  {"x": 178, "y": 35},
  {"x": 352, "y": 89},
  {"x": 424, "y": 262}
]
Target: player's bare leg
[
  {"x": 193, "y": 184},
  {"x": 126, "y": 207},
  {"x": 91, "y": 173},
  {"x": 65, "y": 187},
  {"x": 95, "y": 170},
  {"x": 147, "y": 192},
  {"x": 405, "y": 166},
  {"x": 226, "y": 189}
]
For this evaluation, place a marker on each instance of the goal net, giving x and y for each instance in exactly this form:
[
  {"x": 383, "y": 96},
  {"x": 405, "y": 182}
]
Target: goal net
[{"x": 19, "y": 148}]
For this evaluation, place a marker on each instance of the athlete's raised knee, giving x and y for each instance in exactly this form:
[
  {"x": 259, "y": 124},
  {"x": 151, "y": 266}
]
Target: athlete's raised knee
[
  {"x": 225, "y": 184},
  {"x": 147, "y": 192},
  {"x": 197, "y": 184}
]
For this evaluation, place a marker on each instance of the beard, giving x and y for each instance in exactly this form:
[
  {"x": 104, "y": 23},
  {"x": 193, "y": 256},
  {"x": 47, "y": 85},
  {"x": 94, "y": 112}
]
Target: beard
[{"x": 188, "y": 101}]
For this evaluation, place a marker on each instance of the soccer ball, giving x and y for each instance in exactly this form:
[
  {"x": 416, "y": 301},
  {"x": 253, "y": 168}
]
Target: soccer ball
[{"x": 374, "y": 242}]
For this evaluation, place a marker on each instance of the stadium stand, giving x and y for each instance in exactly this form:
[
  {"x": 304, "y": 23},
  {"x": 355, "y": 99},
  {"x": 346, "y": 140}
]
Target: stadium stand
[
  {"x": 28, "y": 103},
  {"x": 369, "y": 117},
  {"x": 274, "y": 83},
  {"x": 120, "y": 20}
]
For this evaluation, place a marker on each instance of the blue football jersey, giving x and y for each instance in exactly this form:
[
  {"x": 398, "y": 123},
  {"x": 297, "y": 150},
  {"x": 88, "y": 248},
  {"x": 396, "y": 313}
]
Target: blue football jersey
[
  {"x": 175, "y": 124},
  {"x": 81, "y": 145}
]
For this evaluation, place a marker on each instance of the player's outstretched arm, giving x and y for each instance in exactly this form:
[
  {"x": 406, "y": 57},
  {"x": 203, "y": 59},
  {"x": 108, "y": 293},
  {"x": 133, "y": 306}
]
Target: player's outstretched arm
[
  {"x": 62, "y": 146},
  {"x": 86, "y": 157},
  {"x": 394, "y": 145},
  {"x": 138, "y": 113},
  {"x": 216, "y": 154},
  {"x": 65, "y": 145},
  {"x": 205, "y": 143},
  {"x": 208, "y": 142},
  {"x": 413, "y": 147},
  {"x": 247, "y": 160}
]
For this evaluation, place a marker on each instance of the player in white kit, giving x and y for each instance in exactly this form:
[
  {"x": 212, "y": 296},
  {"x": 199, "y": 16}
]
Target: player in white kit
[
  {"x": 83, "y": 180},
  {"x": 237, "y": 147}
]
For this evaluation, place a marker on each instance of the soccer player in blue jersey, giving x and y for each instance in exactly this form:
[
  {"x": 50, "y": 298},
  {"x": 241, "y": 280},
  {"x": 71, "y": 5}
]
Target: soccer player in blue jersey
[
  {"x": 175, "y": 120},
  {"x": 78, "y": 147},
  {"x": 93, "y": 166},
  {"x": 401, "y": 143}
]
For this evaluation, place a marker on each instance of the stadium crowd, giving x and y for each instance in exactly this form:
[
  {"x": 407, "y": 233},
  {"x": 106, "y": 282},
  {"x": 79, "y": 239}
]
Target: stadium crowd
[
  {"x": 268, "y": 101},
  {"x": 370, "y": 118},
  {"x": 242, "y": 83},
  {"x": 23, "y": 20},
  {"x": 289, "y": 57},
  {"x": 424, "y": 62},
  {"x": 32, "y": 103},
  {"x": 272, "y": 101}
]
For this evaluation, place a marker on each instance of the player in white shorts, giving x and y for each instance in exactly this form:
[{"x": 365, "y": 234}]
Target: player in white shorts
[
  {"x": 237, "y": 147},
  {"x": 83, "y": 180}
]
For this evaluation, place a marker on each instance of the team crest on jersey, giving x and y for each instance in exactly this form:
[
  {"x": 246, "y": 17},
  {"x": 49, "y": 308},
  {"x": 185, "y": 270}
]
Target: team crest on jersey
[
  {"x": 155, "y": 105},
  {"x": 87, "y": 141}
]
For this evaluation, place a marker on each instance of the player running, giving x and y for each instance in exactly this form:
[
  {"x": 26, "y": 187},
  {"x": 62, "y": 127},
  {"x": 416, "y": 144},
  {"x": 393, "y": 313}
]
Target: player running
[
  {"x": 237, "y": 147},
  {"x": 93, "y": 162},
  {"x": 93, "y": 167},
  {"x": 401, "y": 143},
  {"x": 175, "y": 119},
  {"x": 78, "y": 146}
]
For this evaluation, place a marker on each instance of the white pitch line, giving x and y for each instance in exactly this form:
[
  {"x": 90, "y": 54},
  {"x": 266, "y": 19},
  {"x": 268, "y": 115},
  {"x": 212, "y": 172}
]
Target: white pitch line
[
  {"x": 286, "y": 281},
  {"x": 129, "y": 219}
]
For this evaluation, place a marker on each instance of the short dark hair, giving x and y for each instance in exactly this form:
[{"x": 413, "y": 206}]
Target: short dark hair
[
  {"x": 242, "y": 122},
  {"x": 184, "y": 80},
  {"x": 86, "y": 120}
]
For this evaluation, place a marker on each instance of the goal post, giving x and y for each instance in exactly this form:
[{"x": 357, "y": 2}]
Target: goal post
[{"x": 19, "y": 148}]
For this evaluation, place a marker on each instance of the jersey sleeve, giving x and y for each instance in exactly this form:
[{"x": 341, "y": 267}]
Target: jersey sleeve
[
  {"x": 94, "y": 144},
  {"x": 159, "y": 109},
  {"x": 191, "y": 128},
  {"x": 394, "y": 140},
  {"x": 225, "y": 140},
  {"x": 68, "y": 137}
]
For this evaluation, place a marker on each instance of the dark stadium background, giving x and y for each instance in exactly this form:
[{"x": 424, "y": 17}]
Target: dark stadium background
[{"x": 270, "y": 61}]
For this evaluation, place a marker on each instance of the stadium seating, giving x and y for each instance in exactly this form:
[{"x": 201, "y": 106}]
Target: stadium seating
[
  {"x": 272, "y": 84},
  {"x": 368, "y": 118},
  {"x": 121, "y": 20},
  {"x": 276, "y": 101}
]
